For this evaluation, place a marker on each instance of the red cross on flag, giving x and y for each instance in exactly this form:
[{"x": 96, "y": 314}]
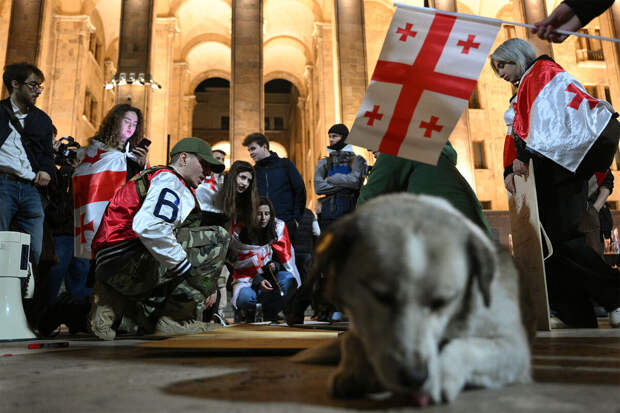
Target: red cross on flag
[
  {"x": 425, "y": 75},
  {"x": 100, "y": 173},
  {"x": 555, "y": 116}
]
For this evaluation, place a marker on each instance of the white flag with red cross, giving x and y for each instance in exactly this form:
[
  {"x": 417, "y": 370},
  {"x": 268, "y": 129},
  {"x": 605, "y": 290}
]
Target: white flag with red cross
[
  {"x": 426, "y": 73},
  {"x": 100, "y": 173},
  {"x": 555, "y": 116}
]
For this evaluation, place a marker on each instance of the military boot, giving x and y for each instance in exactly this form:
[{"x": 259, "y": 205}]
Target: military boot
[
  {"x": 166, "y": 326},
  {"x": 107, "y": 308}
]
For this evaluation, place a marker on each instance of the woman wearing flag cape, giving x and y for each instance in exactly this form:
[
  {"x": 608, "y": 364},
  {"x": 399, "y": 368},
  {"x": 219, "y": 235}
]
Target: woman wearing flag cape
[
  {"x": 569, "y": 135},
  {"x": 111, "y": 158}
]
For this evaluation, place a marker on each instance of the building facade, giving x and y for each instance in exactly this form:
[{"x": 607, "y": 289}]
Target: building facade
[{"x": 221, "y": 69}]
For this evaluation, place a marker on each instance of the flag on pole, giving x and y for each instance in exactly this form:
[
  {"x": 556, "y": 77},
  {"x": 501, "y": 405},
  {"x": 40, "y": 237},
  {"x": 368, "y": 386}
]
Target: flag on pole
[
  {"x": 100, "y": 173},
  {"x": 426, "y": 73}
]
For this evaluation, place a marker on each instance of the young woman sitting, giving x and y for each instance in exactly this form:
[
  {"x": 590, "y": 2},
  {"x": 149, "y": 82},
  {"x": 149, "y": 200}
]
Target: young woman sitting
[{"x": 265, "y": 270}]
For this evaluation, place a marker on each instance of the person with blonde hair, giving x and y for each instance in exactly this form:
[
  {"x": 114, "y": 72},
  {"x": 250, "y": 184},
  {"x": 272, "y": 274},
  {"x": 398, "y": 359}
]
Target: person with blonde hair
[{"x": 569, "y": 136}]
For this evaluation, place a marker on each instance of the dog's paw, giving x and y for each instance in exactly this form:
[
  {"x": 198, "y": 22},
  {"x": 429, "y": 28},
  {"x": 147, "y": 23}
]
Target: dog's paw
[
  {"x": 453, "y": 375},
  {"x": 344, "y": 385}
]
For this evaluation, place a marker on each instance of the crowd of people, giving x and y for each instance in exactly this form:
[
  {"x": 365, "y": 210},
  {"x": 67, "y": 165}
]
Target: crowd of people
[{"x": 159, "y": 249}]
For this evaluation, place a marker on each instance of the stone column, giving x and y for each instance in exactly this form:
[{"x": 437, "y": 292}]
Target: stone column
[
  {"x": 24, "y": 31},
  {"x": 109, "y": 96},
  {"x": 325, "y": 103},
  {"x": 615, "y": 19},
  {"x": 24, "y": 18},
  {"x": 67, "y": 83},
  {"x": 447, "y": 5},
  {"x": 134, "y": 55},
  {"x": 532, "y": 11},
  {"x": 246, "y": 87},
  {"x": 351, "y": 48},
  {"x": 187, "y": 112},
  {"x": 164, "y": 32},
  {"x": 5, "y": 23},
  {"x": 178, "y": 86},
  {"x": 461, "y": 135}
]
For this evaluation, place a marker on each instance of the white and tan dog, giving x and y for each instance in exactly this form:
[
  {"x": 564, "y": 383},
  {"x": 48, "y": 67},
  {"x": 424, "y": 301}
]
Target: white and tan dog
[{"x": 434, "y": 305}]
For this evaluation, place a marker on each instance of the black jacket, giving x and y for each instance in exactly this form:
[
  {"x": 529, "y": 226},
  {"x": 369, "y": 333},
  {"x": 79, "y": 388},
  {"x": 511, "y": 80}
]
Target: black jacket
[
  {"x": 588, "y": 10},
  {"x": 278, "y": 179},
  {"x": 38, "y": 141}
]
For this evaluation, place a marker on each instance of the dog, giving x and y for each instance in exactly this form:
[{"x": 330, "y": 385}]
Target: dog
[{"x": 434, "y": 303}]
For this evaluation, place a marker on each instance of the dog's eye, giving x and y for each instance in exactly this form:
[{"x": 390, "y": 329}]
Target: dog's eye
[{"x": 437, "y": 303}]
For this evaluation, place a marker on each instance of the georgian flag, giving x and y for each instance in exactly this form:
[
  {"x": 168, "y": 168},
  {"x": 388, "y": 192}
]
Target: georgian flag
[
  {"x": 100, "y": 173},
  {"x": 252, "y": 258},
  {"x": 555, "y": 116},
  {"x": 426, "y": 73}
]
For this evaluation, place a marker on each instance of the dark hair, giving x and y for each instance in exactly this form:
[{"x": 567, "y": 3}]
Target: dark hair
[
  {"x": 239, "y": 207},
  {"x": 109, "y": 130},
  {"x": 259, "y": 138},
  {"x": 20, "y": 72},
  {"x": 220, "y": 151},
  {"x": 258, "y": 235}
]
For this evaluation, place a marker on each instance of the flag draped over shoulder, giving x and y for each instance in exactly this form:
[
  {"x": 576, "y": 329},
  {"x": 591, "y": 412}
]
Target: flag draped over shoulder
[
  {"x": 555, "y": 116},
  {"x": 252, "y": 258},
  {"x": 425, "y": 75},
  {"x": 100, "y": 173}
]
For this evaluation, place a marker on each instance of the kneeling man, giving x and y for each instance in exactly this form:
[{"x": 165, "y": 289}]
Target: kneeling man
[{"x": 154, "y": 263}]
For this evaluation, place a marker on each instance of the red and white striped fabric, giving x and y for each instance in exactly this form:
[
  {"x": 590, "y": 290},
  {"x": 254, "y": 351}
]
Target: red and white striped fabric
[
  {"x": 206, "y": 191},
  {"x": 100, "y": 173},
  {"x": 555, "y": 116},
  {"x": 426, "y": 73},
  {"x": 252, "y": 258}
]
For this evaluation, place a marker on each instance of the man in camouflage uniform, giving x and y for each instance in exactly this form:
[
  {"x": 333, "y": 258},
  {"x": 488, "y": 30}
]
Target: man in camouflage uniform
[{"x": 154, "y": 263}]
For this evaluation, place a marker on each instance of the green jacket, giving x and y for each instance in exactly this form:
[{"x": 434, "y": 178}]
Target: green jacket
[{"x": 393, "y": 174}]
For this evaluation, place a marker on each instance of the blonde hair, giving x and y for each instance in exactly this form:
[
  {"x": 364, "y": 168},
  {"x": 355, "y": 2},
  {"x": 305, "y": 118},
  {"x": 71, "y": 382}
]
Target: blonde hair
[{"x": 516, "y": 51}]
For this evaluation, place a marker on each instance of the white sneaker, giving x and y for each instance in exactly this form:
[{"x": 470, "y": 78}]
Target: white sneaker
[
  {"x": 614, "y": 318},
  {"x": 166, "y": 326}
]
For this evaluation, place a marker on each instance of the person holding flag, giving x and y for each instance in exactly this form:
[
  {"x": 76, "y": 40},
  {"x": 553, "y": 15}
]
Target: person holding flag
[
  {"x": 569, "y": 136},
  {"x": 264, "y": 270},
  {"x": 112, "y": 156}
]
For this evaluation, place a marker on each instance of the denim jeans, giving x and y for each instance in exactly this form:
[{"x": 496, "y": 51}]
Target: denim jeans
[
  {"x": 272, "y": 301},
  {"x": 73, "y": 270},
  {"x": 20, "y": 203}
]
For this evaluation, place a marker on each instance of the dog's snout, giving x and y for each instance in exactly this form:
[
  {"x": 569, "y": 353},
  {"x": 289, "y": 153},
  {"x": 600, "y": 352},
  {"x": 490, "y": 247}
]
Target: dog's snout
[{"x": 413, "y": 377}]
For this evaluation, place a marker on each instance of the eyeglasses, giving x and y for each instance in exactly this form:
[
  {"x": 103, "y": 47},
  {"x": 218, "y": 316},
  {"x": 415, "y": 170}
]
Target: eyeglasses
[{"x": 34, "y": 86}]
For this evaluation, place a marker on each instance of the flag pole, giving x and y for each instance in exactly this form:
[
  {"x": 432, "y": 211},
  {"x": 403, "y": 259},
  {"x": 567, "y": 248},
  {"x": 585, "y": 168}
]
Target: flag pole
[{"x": 498, "y": 21}]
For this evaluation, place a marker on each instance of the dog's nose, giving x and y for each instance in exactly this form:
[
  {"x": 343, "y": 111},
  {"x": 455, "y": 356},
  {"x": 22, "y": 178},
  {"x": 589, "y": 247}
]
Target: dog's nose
[{"x": 413, "y": 377}]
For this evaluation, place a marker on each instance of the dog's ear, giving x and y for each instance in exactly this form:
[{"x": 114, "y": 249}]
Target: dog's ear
[
  {"x": 482, "y": 263},
  {"x": 331, "y": 253}
]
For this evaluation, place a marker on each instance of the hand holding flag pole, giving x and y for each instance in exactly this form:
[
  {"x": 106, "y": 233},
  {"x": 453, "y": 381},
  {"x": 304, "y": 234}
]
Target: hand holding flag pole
[
  {"x": 492, "y": 20},
  {"x": 275, "y": 279}
]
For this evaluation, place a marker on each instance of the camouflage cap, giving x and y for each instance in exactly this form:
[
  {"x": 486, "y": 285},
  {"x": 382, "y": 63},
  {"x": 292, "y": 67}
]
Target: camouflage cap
[{"x": 201, "y": 148}]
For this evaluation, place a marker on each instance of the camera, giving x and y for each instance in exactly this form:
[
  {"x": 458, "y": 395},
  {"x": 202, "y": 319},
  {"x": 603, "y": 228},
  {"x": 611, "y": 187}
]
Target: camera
[{"x": 66, "y": 154}]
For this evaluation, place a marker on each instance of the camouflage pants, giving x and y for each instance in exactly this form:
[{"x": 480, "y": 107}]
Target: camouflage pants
[{"x": 151, "y": 291}]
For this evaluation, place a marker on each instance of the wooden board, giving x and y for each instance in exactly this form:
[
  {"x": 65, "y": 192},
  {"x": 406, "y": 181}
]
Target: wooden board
[
  {"x": 527, "y": 245},
  {"x": 246, "y": 337}
]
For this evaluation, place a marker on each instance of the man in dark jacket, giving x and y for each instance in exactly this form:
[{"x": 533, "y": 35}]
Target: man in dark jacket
[
  {"x": 278, "y": 180},
  {"x": 26, "y": 161}
]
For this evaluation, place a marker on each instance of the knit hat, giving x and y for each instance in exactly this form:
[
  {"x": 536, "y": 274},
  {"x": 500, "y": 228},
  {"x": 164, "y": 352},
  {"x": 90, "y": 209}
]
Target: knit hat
[
  {"x": 340, "y": 129},
  {"x": 198, "y": 147}
]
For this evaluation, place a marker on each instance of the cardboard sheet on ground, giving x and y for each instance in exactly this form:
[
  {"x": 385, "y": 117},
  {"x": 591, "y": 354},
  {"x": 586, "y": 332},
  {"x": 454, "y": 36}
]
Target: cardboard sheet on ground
[
  {"x": 247, "y": 337},
  {"x": 527, "y": 245}
]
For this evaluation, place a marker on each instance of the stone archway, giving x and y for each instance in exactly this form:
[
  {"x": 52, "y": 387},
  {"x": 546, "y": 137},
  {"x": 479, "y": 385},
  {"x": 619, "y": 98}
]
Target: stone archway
[
  {"x": 211, "y": 120},
  {"x": 282, "y": 118}
]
